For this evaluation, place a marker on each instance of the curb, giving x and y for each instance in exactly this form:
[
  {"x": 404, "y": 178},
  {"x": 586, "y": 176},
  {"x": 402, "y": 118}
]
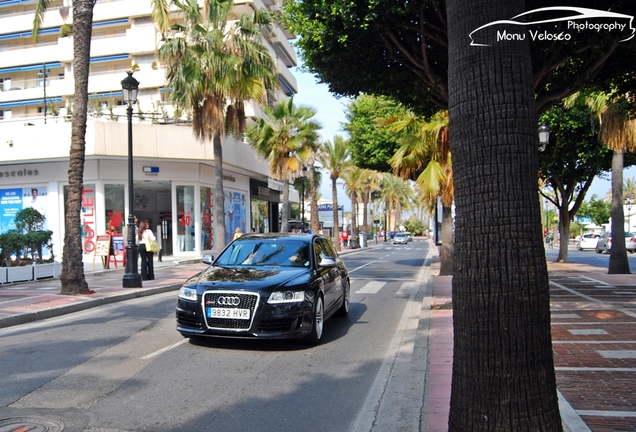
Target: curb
[{"x": 56, "y": 311}]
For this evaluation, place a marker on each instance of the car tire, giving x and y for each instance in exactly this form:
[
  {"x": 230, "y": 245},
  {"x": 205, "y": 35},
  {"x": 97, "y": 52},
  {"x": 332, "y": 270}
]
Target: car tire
[
  {"x": 318, "y": 325},
  {"x": 343, "y": 311},
  {"x": 597, "y": 250}
]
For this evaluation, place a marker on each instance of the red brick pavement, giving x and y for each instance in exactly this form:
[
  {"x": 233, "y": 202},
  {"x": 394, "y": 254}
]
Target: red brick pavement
[{"x": 593, "y": 314}]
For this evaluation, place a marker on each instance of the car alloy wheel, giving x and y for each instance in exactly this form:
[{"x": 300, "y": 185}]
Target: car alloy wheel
[{"x": 315, "y": 336}]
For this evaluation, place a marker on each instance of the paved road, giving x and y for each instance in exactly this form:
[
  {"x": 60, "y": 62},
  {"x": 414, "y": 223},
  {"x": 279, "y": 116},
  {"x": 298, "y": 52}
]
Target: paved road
[{"x": 123, "y": 367}]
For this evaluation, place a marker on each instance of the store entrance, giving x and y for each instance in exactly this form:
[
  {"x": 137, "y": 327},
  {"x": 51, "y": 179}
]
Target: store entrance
[{"x": 153, "y": 201}]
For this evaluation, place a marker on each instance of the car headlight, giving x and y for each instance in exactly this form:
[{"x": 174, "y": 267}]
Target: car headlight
[
  {"x": 188, "y": 293},
  {"x": 286, "y": 297}
]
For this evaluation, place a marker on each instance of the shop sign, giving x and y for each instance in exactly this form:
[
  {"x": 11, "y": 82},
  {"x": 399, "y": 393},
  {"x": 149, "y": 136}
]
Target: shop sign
[{"x": 88, "y": 219}]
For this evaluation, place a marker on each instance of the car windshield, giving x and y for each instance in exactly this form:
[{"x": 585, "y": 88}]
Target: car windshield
[
  {"x": 400, "y": 235},
  {"x": 265, "y": 252}
]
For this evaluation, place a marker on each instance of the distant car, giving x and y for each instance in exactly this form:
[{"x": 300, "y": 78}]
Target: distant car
[
  {"x": 400, "y": 237},
  {"x": 588, "y": 241},
  {"x": 604, "y": 243},
  {"x": 409, "y": 236},
  {"x": 271, "y": 286}
]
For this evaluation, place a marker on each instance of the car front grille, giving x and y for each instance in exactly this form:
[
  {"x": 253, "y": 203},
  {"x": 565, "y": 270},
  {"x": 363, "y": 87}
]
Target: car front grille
[{"x": 245, "y": 301}]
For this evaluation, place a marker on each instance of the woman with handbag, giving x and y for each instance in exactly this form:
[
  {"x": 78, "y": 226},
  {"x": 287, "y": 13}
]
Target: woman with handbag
[{"x": 147, "y": 245}]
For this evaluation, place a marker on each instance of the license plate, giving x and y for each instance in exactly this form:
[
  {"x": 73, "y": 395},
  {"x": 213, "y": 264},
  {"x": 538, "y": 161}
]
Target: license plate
[{"x": 228, "y": 313}]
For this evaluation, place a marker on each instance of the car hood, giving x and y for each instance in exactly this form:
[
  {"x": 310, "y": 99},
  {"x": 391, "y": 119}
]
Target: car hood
[{"x": 251, "y": 278}]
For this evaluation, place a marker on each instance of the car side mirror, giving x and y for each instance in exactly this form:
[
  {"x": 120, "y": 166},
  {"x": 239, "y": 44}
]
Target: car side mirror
[
  {"x": 207, "y": 259},
  {"x": 327, "y": 262}
]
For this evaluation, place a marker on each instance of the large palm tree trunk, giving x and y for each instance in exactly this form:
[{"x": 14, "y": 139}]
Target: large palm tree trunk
[
  {"x": 336, "y": 222},
  {"x": 219, "y": 195},
  {"x": 284, "y": 225},
  {"x": 447, "y": 249},
  {"x": 503, "y": 371},
  {"x": 72, "y": 276},
  {"x": 618, "y": 262},
  {"x": 315, "y": 225}
]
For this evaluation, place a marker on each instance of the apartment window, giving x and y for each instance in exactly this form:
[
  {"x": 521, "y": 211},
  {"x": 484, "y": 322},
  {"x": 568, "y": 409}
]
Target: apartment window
[{"x": 5, "y": 84}]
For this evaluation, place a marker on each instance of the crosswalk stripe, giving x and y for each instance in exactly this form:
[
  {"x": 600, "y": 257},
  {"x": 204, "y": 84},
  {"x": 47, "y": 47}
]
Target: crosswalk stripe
[{"x": 371, "y": 287}]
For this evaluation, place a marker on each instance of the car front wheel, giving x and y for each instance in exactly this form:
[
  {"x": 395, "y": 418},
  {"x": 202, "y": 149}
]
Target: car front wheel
[{"x": 315, "y": 336}]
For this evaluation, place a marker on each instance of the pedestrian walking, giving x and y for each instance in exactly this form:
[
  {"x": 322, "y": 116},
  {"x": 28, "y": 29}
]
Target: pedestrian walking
[{"x": 145, "y": 237}]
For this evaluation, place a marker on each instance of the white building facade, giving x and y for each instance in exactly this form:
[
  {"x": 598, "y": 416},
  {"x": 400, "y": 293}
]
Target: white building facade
[{"x": 174, "y": 176}]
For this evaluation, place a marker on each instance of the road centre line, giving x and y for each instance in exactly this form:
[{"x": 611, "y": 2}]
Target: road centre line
[{"x": 163, "y": 350}]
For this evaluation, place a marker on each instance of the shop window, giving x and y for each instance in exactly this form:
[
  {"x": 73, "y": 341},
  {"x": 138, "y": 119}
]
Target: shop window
[
  {"x": 114, "y": 206},
  {"x": 260, "y": 216},
  {"x": 208, "y": 221},
  {"x": 185, "y": 221},
  {"x": 235, "y": 214},
  {"x": 87, "y": 217}
]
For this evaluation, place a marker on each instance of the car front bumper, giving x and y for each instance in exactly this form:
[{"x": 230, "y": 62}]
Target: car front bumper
[{"x": 280, "y": 321}]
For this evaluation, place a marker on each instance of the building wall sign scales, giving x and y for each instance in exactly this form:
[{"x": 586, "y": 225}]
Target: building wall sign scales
[{"x": 25, "y": 172}]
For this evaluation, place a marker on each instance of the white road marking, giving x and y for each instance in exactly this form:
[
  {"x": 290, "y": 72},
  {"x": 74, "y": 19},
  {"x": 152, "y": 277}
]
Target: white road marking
[
  {"x": 163, "y": 350},
  {"x": 371, "y": 287}
]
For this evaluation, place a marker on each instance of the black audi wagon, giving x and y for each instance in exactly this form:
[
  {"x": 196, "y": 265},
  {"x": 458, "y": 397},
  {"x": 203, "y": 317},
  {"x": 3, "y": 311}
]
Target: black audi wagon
[{"x": 272, "y": 286}]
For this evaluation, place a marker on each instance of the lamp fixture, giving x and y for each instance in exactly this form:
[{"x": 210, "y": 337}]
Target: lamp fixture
[{"x": 544, "y": 136}]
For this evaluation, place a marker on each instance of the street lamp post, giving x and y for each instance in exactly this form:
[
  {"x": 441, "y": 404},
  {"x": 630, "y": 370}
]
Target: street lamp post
[
  {"x": 303, "y": 177},
  {"x": 547, "y": 229},
  {"x": 386, "y": 227},
  {"x": 132, "y": 278},
  {"x": 43, "y": 74},
  {"x": 628, "y": 203}
]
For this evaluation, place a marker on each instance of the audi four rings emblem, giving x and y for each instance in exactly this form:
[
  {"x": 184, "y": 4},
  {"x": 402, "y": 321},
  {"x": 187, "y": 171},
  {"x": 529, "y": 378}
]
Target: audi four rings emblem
[{"x": 228, "y": 301}]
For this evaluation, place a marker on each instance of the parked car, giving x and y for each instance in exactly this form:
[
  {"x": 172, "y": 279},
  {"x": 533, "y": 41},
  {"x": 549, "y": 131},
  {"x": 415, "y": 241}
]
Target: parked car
[
  {"x": 271, "y": 286},
  {"x": 604, "y": 243},
  {"x": 587, "y": 241},
  {"x": 400, "y": 237}
]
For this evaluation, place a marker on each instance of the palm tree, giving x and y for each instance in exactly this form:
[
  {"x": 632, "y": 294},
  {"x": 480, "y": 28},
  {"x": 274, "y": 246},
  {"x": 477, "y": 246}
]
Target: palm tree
[
  {"x": 425, "y": 154},
  {"x": 335, "y": 157},
  {"x": 284, "y": 134},
  {"x": 72, "y": 277},
  {"x": 214, "y": 67},
  {"x": 396, "y": 194},
  {"x": 372, "y": 182},
  {"x": 354, "y": 186},
  {"x": 619, "y": 134}
]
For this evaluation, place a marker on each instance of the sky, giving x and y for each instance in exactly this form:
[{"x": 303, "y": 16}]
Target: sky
[{"x": 330, "y": 114}]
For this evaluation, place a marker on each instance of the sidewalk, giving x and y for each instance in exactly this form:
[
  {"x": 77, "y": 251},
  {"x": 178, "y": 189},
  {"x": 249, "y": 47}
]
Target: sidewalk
[{"x": 593, "y": 320}]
